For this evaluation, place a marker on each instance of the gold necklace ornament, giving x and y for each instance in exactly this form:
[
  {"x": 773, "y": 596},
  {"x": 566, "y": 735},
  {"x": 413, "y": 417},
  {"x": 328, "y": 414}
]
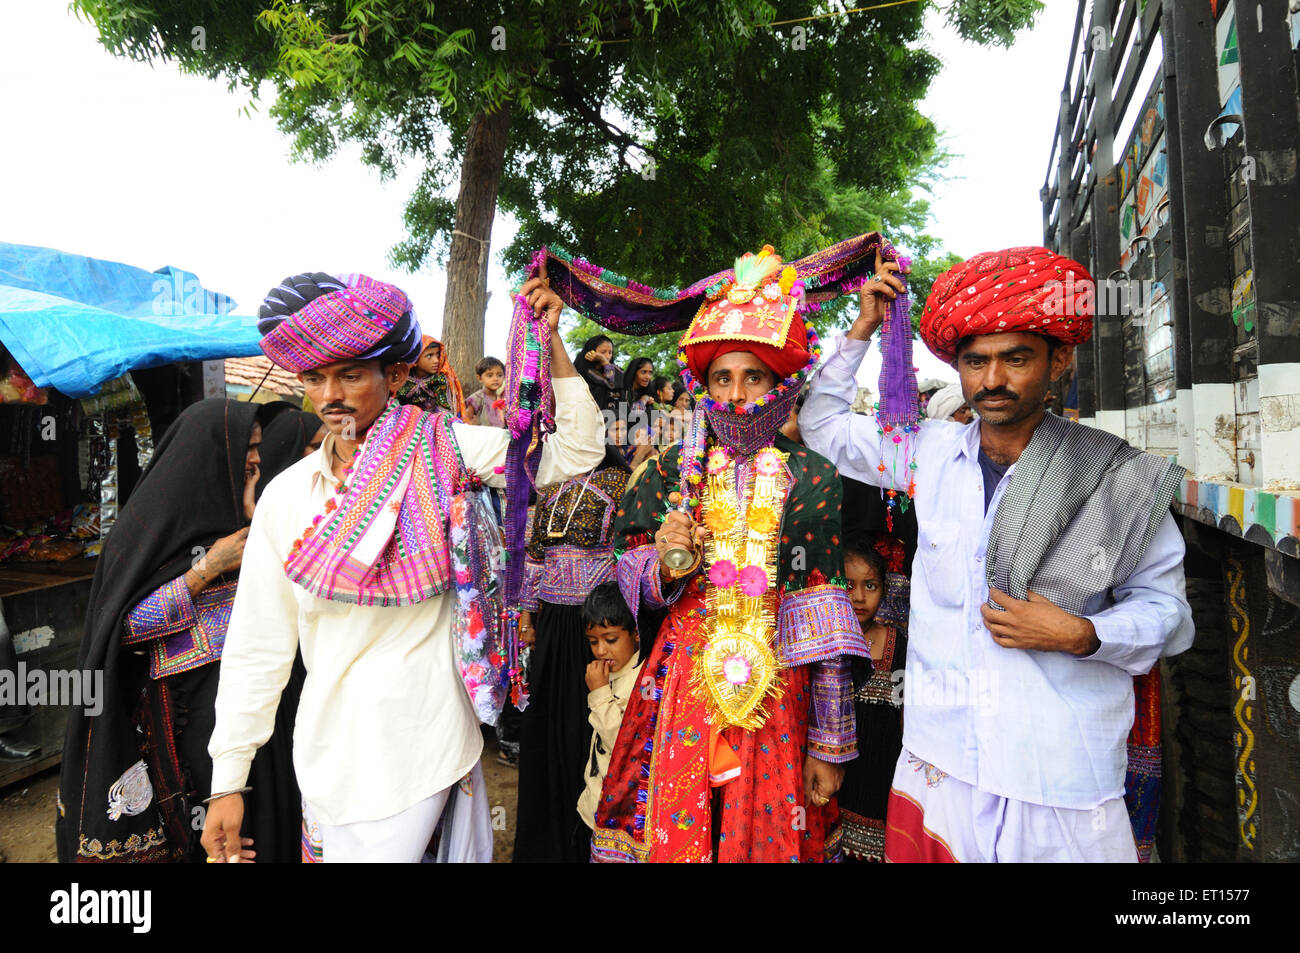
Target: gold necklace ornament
[{"x": 738, "y": 673}]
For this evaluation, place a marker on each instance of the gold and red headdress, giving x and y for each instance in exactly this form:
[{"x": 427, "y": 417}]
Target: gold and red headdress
[{"x": 758, "y": 310}]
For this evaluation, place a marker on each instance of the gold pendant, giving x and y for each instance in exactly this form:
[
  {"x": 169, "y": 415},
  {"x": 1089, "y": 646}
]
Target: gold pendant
[{"x": 738, "y": 671}]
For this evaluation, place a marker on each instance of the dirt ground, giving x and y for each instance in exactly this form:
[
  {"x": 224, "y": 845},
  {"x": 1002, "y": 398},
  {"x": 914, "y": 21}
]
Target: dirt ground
[
  {"x": 27, "y": 819},
  {"x": 27, "y": 812}
]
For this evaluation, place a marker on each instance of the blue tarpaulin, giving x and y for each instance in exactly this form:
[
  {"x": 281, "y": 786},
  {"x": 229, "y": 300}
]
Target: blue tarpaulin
[{"x": 73, "y": 322}]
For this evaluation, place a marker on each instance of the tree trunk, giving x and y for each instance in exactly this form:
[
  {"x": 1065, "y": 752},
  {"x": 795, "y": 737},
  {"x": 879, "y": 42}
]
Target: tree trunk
[{"x": 467, "y": 264}]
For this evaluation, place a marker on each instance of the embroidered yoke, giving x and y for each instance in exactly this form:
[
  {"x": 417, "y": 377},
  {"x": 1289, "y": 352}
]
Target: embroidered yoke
[
  {"x": 661, "y": 763},
  {"x": 183, "y": 632},
  {"x": 570, "y": 549}
]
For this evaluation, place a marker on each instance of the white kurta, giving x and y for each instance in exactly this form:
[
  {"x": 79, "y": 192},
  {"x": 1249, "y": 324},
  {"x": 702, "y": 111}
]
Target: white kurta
[
  {"x": 1042, "y": 727},
  {"x": 384, "y": 721}
]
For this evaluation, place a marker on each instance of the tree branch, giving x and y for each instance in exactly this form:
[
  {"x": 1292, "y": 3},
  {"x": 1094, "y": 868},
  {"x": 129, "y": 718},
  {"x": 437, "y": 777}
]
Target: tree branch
[{"x": 592, "y": 115}]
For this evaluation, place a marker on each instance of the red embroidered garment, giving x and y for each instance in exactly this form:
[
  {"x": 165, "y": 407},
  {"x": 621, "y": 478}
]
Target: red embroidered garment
[
  {"x": 660, "y": 770},
  {"x": 1016, "y": 289}
]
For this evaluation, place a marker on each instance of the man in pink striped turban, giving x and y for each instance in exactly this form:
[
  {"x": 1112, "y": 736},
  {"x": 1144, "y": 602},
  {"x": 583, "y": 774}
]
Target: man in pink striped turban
[{"x": 349, "y": 560}]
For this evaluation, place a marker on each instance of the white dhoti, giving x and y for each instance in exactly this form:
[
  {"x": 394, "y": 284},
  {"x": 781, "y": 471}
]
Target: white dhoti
[
  {"x": 403, "y": 838},
  {"x": 935, "y": 818}
]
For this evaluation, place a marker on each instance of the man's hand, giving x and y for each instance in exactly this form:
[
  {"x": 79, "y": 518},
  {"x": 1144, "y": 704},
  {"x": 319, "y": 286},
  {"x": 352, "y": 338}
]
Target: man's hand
[
  {"x": 678, "y": 531},
  {"x": 251, "y": 478},
  {"x": 527, "y": 634},
  {"x": 1038, "y": 623},
  {"x": 874, "y": 298},
  {"x": 221, "y": 840},
  {"x": 537, "y": 292},
  {"x": 598, "y": 673},
  {"x": 541, "y": 298},
  {"x": 821, "y": 781}
]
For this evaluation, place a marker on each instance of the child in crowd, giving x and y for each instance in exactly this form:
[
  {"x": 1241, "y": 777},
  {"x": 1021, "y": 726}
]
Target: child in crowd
[
  {"x": 481, "y": 406},
  {"x": 611, "y": 678},
  {"x": 677, "y": 422},
  {"x": 664, "y": 392},
  {"x": 879, "y": 593},
  {"x": 595, "y": 365},
  {"x": 432, "y": 384}
]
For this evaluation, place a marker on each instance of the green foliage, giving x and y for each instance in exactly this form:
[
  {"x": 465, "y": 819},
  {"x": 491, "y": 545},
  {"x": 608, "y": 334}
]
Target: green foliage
[
  {"x": 993, "y": 22},
  {"x": 659, "y": 138}
]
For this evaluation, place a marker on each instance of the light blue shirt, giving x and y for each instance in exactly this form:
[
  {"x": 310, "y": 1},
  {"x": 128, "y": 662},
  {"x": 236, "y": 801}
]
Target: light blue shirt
[{"x": 1043, "y": 727}]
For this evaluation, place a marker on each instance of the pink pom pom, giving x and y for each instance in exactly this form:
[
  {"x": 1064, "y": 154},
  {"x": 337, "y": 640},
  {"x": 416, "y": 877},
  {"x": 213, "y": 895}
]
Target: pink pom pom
[
  {"x": 723, "y": 573},
  {"x": 753, "y": 581}
]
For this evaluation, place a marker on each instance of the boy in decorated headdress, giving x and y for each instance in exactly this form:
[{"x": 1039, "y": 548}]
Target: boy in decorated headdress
[
  {"x": 1048, "y": 575},
  {"x": 348, "y": 560},
  {"x": 731, "y": 749}
]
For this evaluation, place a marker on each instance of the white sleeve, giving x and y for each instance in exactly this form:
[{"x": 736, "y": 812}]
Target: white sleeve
[
  {"x": 831, "y": 428},
  {"x": 1151, "y": 616},
  {"x": 261, "y": 642}
]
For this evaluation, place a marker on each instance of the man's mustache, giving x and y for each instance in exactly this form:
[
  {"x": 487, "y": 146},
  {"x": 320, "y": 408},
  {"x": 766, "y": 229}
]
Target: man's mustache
[
  {"x": 337, "y": 408},
  {"x": 996, "y": 392}
]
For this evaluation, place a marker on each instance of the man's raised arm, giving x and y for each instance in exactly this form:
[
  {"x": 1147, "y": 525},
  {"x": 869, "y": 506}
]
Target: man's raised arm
[{"x": 827, "y": 422}]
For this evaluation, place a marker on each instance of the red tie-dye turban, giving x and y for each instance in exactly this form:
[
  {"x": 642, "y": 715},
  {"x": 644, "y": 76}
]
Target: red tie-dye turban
[{"x": 1016, "y": 289}]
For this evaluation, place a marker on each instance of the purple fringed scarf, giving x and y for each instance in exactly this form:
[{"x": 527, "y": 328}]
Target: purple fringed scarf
[
  {"x": 629, "y": 307},
  {"x": 529, "y": 415},
  {"x": 898, "y": 413}
]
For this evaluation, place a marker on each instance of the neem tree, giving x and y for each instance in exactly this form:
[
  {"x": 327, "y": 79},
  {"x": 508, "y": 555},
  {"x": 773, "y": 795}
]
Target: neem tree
[{"x": 657, "y": 137}]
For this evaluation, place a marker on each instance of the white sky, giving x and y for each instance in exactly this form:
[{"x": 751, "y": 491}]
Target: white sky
[{"x": 118, "y": 160}]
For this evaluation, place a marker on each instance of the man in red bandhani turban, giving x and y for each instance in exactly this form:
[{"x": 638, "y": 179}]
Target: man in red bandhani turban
[
  {"x": 1047, "y": 583},
  {"x": 1016, "y": 289}
]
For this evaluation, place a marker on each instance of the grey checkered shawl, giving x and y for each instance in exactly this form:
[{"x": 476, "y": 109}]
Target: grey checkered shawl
[{"x": 1078, "y": 514}]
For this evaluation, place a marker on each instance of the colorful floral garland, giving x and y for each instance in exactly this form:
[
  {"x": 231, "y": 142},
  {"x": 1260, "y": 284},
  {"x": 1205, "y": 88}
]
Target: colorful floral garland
[{"x": 738, "y": 674}]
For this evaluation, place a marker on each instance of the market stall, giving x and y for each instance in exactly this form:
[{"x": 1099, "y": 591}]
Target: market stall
[{"x": 97, "y": 359}]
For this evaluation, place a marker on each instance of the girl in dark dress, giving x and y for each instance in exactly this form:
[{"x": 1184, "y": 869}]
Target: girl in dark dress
[
  {"x": 879, "y": 593},
  {"x": 571, "y": 551},
  {"x": 638, "y": 384},
  {"x": 432, "y": 384}
]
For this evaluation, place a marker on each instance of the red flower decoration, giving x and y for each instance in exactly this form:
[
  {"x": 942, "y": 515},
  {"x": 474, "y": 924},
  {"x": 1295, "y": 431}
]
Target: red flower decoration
[
  {"x": 816, "y": 578},
  {"x": 890, "y": 548}
]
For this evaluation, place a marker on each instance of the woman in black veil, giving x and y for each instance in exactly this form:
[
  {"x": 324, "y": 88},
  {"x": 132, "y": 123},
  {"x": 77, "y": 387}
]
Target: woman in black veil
[{"x": 136, "y": 773}]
